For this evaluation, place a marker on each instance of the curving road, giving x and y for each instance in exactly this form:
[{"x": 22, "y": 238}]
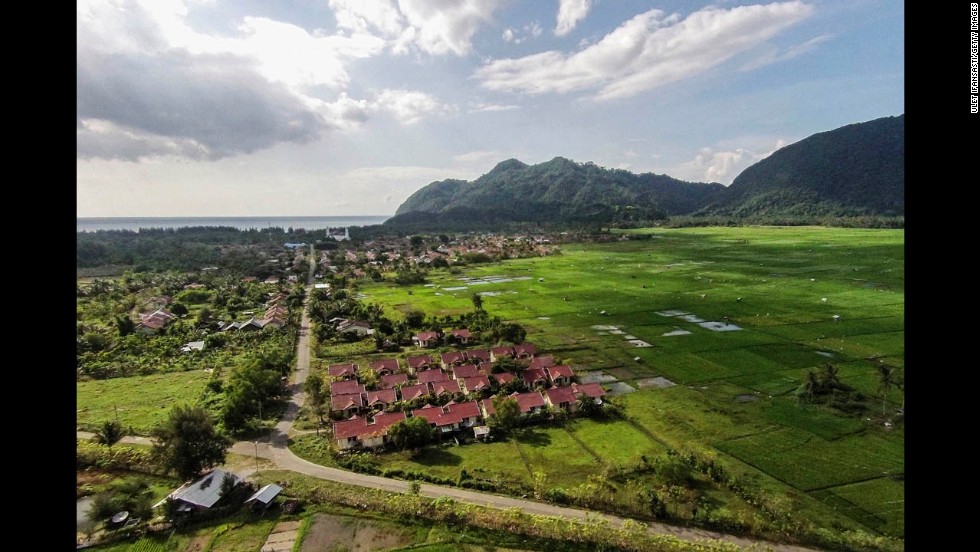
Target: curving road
[{"x": 274, "y": 447}]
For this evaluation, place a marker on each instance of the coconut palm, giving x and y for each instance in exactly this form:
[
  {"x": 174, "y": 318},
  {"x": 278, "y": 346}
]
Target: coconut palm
[
  {"x": 110, "y": 433},
  {"x": 887, "y": 379}
]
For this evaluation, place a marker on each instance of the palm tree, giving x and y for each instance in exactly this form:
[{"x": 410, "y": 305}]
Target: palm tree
[
  {"x": 810, "y": 387},
  {"x": 109, "y": 434},
  {"x": 886, "y": 380},
  {"x": 829, "y": 379}
]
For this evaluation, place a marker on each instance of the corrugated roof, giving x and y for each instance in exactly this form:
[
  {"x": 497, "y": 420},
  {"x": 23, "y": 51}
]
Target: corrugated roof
[
  {"x": 265, "y": 494},
  {"x": 205, "y": 491}
]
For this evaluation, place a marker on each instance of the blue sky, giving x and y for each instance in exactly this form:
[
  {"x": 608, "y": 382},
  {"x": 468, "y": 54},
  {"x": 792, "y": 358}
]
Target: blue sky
[{"x": 346, "y": 107}]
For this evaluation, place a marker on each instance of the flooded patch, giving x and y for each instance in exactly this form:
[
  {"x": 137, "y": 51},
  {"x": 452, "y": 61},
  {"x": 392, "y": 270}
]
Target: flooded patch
[
  {"x": 691, "y": 318},
  {"x": 746, "y": 398},
  {"x": 658, "y": 382},
  {"x": 605, "y": 328},
  {"x": 639, "y": 343},
  {"x": 827, "y": 354},
  {"x": 672, "y": 313},
  {"x": 544, "y": 318},
  {"x": 596, "y": 377},
  {"x": 489, "y": 293},
  {"x": 678, "y": 331},
  {"x": 455, "y": 288},
  {"x": 617, "y": 332},
  {"x": 719, "y": 326},
  {"x": 620, "y": 388},
  {"x": 629, "y": 337}
]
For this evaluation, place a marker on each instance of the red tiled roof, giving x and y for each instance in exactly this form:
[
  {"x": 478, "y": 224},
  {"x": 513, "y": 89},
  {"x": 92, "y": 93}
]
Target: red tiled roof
[
  {"x": 465, "y": 371},
  {"x": 410, "y": 392},
  {"x": 503, "y": 377},
  {"x": 452, "y": 356},
  {"x": 393, "y": 380},
  {"x": 481, "y": 354},
  {"x": 533, "y": 375},
  {"x": 432, "y": 376},
  {"x": 359, "y": 427},
  {"x": 476, "y": 383},
  {"x": 502, "y": 351},
  {"x": 461, "y": 333},
  {"x": 591, "y": 389},
  {"x": 384, "y": 396},
  {"x": 558, "y": 395},
  {"x": 341, "y": 370},
  {"x": 543, "y": 361},
  {"x": 559, "y": 371},
  {"x": 426, "y": 336},
  {"x": 346, "y": 387},
  {"x": 487, "y": 407},
  {"x": 389, "y": 363},
  {"x": 452, "y": 413},
  {"x": 525, "y": 349},
  {"x": 448, "y": 386},
  {"x": 415, "y": 362},
  {"x": 343, "y": 402},
  {"x": 527, "y": 401}
]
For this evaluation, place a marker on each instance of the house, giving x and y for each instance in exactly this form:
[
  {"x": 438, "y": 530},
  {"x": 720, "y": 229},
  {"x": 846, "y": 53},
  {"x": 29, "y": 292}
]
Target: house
[
  {"x": 392, "y": 381},
  {"x": 452, "y": 358},
  {"x": 450, "y": 417},
  {"x": 593, "y": 390},
  {"x": 154, "y": 321},
  {"x": 381, "y": 399},
  {"x": 560, "y": 375},
  {"x": 478, "y": 356},
  {"x": 271, "y": 280},
  {"x": 466, "y": 371},
  {"x": 529, "y": 402},
  {"x": 416, "y": 363},
  {"x": 201, "y": 494},
  {"x": 426, "y": 339},
  {"x": 385, "y": 367},
  {"x": 501, "y": 352},
  {"x": 503, "y": 378},
  {"x": 486, "y": 407},
  {"x": 561, "y": 397},
  {"x": 359, "y": 327},
  {"x": 475, "y": 384},
  {"x": 360, "y": 432},
  {"x": 525, "y": 350},
  {"x": 192, "y": 346},
  {"x": 432, "y": 376},
  {"x": 412, "y": 392},
  {"x": 461, "y": 336},
  {"x": 350, "y": 403},
  {"x": 264, "y": 496},
  {"x": 449, "y": 386},
  {"x": 543, "y": 361},
  {"x": 534, "y": 377},
  {"x": 346, "y": 387},
  {"x": 342, "y": 371}
]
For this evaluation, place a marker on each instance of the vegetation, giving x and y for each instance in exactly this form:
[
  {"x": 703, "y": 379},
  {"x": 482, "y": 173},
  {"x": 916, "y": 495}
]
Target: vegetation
[{"x": 188, "y": 442}]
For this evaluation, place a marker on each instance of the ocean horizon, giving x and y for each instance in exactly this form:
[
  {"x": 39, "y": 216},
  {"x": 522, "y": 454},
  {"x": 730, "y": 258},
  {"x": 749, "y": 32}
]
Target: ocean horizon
[{"x": 93, "y": 224}]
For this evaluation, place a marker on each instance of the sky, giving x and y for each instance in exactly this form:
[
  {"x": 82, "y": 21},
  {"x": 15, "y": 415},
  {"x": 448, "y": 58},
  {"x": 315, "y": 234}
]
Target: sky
[{"x": 347, "y": 107}]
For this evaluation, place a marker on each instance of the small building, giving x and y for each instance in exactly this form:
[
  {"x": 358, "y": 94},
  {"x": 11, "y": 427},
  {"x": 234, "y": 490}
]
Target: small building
[
  {"x": 192, "y": 346},
  {"x": 392, "y": 381},
  {"x": 561, "y": 397},
  {"x": 466, "y": 371},
  {"x": 452, "y": 358},
  {"x": 349, "y": 404},
  {"x": 534, "y": 377},
  {"x": 342, "y": 371},
  {"x": 201, "y": 494},
  {"x": 264, "y": 496},
  {"x": 412, "y": 392},
  {"x": 529, "y": 402},
  {"x": 503, "y": 378},
  {"x": 426, "y": 339},
  {"x": 432, "y": 376},
  {"x": 525, "y": 350},
  {"x": 501, "y": 352},
  {"x": 359, "y": 432},
  {"x": 346, "y": 387},
  {"x": 462, "y": 336},
  {"x": 385, "y": 366},
  {"x": 381, "y": 398},
  {"x": 416, "y": 363},
  {"x": 476, "y": 384},
  {"x": 543, "y": 361},
  {"x": 478, "y": 356},
  {"x": 560, "y": 375}
]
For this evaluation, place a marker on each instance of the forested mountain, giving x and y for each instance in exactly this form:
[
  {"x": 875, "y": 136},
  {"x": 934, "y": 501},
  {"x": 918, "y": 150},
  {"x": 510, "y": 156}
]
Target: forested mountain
[
  {"x": 558, "y": 190},
  {"x": 857, "y": 169}
]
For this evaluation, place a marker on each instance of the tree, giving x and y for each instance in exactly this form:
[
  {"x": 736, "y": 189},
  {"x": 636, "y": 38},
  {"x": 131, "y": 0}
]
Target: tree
[
  {"x": 513, "y": 333},
  {"x": 187, "y": 442},
  {"x": 411, "y": 433},
  {"x": 416, "y": 241},
  {"x": 506, "y": 364},
  {"x": 179, "y": 309},
  {"x": 415, "y": 319},
  {"x": 886, "y": 381},
  {"x": 109, "y": 433},
  {"x": 125, "y": 325},
  {"x": 506, "y": 413},
  {"x": 477, "y": 301}
]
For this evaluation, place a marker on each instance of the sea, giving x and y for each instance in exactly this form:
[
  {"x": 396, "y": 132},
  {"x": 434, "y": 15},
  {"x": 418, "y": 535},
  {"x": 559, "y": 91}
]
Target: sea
[{"x": 92, "y": 224}]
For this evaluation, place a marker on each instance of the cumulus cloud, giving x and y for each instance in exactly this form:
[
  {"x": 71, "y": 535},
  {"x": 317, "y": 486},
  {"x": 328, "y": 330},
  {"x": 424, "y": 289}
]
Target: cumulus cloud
[
  {"x": 432, "y": 27},
  {"x": 478, "y": 156},
  {"x": 482, "y": 107},
  {"x": 518, "y": 35},
  {"x": 410, "y": 106},
  {"x": 650, "y": 50},
  {"x": 711, "y": 165},
  {"x": 570, "y": 12},
  {"x": 148, "y": 84}
]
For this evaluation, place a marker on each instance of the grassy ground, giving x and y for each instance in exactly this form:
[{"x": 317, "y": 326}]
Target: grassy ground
[
  {"x": 141, "y": 402},
  {"x": 782, "y": 286}
]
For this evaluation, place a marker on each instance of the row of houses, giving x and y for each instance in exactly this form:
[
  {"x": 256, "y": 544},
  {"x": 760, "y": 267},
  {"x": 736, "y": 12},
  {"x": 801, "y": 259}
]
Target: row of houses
[
  {"x": 276, "y": 315},
  {"x": 372, "y": 431}
]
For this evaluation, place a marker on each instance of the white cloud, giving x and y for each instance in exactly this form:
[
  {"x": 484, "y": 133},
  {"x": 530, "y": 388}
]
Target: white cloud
[
  {"x": 508, "y": 35},
  {"x": 517, "y": 36},
  {"x": 773, "y": 55},
  {"x": 478, "y": 156},
  {"x": 650, "y": 50},
  {"x": 148, "y": 84},
  {"x": 482, "y": 107},
  {"x": 711, "y": 165},
  {"x": 436, "y": 28},
  {"x": 570, "y": 12},
  {"x": 409, "y": 106}
]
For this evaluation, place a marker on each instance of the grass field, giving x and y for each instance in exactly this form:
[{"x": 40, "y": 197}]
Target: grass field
[
  {"x": 141, "y": 402},
  {"x": 782, "y": 286}
]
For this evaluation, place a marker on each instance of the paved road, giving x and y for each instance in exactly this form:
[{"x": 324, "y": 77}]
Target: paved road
[{"x": 274, "y": 447}]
